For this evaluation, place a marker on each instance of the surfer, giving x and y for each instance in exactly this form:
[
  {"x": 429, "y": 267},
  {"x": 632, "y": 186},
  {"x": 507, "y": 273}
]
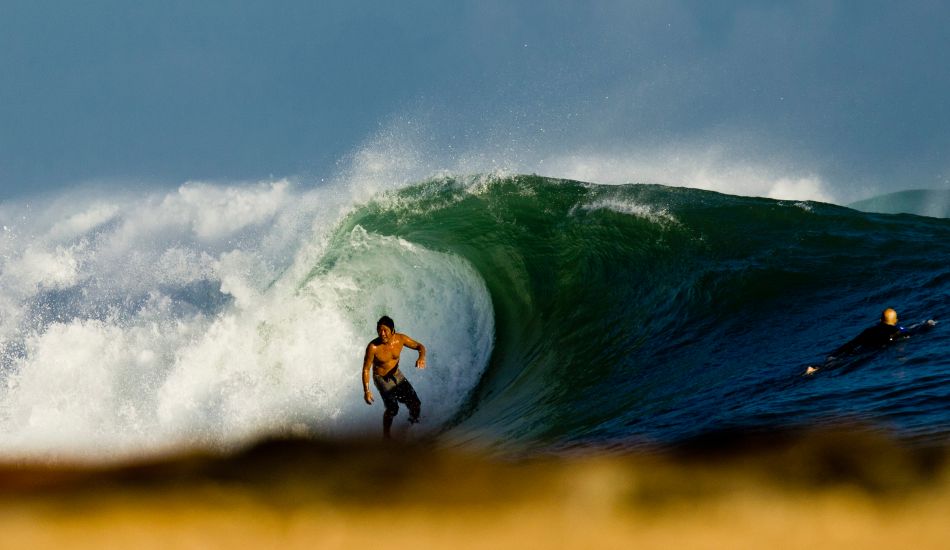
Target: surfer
[
  {"x": 382, "y": 354},
  {"x": 876, "y": 337}
]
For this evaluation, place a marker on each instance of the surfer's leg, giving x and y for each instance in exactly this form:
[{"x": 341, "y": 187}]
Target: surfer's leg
[
  {"x": 407, "y": 394},
  {"x": 392, "y": 409}
]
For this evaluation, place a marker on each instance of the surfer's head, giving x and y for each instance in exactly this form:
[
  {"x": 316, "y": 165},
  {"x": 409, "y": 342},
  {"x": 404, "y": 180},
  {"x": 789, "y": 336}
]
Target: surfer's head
[
  {"x": 385, "y": 328},
  {"x": 889, "y": 317}
]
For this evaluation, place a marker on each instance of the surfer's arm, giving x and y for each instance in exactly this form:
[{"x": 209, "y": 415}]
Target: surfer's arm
[
  {"x": 367, "y": 364},
  {"x": 412, "y": 344},
  {"x": 919, "y": 327}
]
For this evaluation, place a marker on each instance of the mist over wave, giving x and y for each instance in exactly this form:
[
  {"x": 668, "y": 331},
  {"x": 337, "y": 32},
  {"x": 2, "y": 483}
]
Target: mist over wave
[{"x": 414, "y": 147}]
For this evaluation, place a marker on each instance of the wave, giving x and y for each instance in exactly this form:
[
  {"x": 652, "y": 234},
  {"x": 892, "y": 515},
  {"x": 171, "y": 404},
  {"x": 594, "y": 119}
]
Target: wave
[
  {"x": 557, "y": 313},
  {"x": 641, "y": 313}
]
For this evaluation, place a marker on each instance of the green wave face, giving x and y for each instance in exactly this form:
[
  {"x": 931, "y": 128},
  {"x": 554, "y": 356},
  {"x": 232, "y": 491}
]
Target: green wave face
[{"x": 642, "y": 312}]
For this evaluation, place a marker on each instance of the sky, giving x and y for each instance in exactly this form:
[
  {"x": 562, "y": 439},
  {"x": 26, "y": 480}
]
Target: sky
[{"x": 827, "y": 100}]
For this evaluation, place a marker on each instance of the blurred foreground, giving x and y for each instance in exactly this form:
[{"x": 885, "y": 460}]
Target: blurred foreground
[{"x": 843, "y": 488}]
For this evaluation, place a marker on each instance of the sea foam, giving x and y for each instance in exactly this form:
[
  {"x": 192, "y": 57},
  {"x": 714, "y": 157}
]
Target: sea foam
[{"x": 209, "y": 315}]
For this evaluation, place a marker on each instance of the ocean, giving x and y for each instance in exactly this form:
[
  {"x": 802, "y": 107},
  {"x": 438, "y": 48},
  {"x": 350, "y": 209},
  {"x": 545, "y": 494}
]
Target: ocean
[{"x": 558, "y": 315}]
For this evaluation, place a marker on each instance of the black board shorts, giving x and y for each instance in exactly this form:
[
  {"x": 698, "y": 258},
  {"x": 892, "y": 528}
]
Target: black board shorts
[{"x": 394, "y": 389}]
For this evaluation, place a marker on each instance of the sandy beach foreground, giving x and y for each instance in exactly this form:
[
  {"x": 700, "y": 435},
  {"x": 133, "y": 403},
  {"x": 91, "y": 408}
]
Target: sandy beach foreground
[{"x": 844, "y": 488}]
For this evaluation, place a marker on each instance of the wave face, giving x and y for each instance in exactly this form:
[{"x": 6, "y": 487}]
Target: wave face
[{"x": 556, "y": 314}]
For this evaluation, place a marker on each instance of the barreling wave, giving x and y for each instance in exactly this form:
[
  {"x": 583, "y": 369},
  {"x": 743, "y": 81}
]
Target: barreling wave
[
  {"x": 641, "y": 313},
  {"x": 557, "y": 313}
]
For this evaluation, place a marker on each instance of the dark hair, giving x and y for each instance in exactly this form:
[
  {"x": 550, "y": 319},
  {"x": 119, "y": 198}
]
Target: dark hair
[{"x": 385, "y": 321}]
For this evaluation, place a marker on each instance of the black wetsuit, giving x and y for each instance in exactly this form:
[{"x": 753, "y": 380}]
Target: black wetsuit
[{"x": 875, "y": 337}]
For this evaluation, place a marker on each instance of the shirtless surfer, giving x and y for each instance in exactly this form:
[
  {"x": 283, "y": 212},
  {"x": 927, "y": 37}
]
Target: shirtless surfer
[{"x": 382, "y": 354}]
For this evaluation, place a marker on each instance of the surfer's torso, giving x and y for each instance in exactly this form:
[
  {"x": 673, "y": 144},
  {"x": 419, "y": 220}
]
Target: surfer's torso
[
  {"x": 874, "y": 337},
  {"x": 386, "y": 354}
]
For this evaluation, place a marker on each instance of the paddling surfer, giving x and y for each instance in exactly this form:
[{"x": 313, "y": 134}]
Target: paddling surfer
[
  {"x": 876, "y": 337},
  {"x": 382, "y": 354}
]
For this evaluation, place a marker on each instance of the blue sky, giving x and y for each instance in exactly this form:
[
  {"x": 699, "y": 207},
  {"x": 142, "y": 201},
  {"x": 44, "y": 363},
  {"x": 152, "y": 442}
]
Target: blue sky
[{"x": 854, "y": 94}]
